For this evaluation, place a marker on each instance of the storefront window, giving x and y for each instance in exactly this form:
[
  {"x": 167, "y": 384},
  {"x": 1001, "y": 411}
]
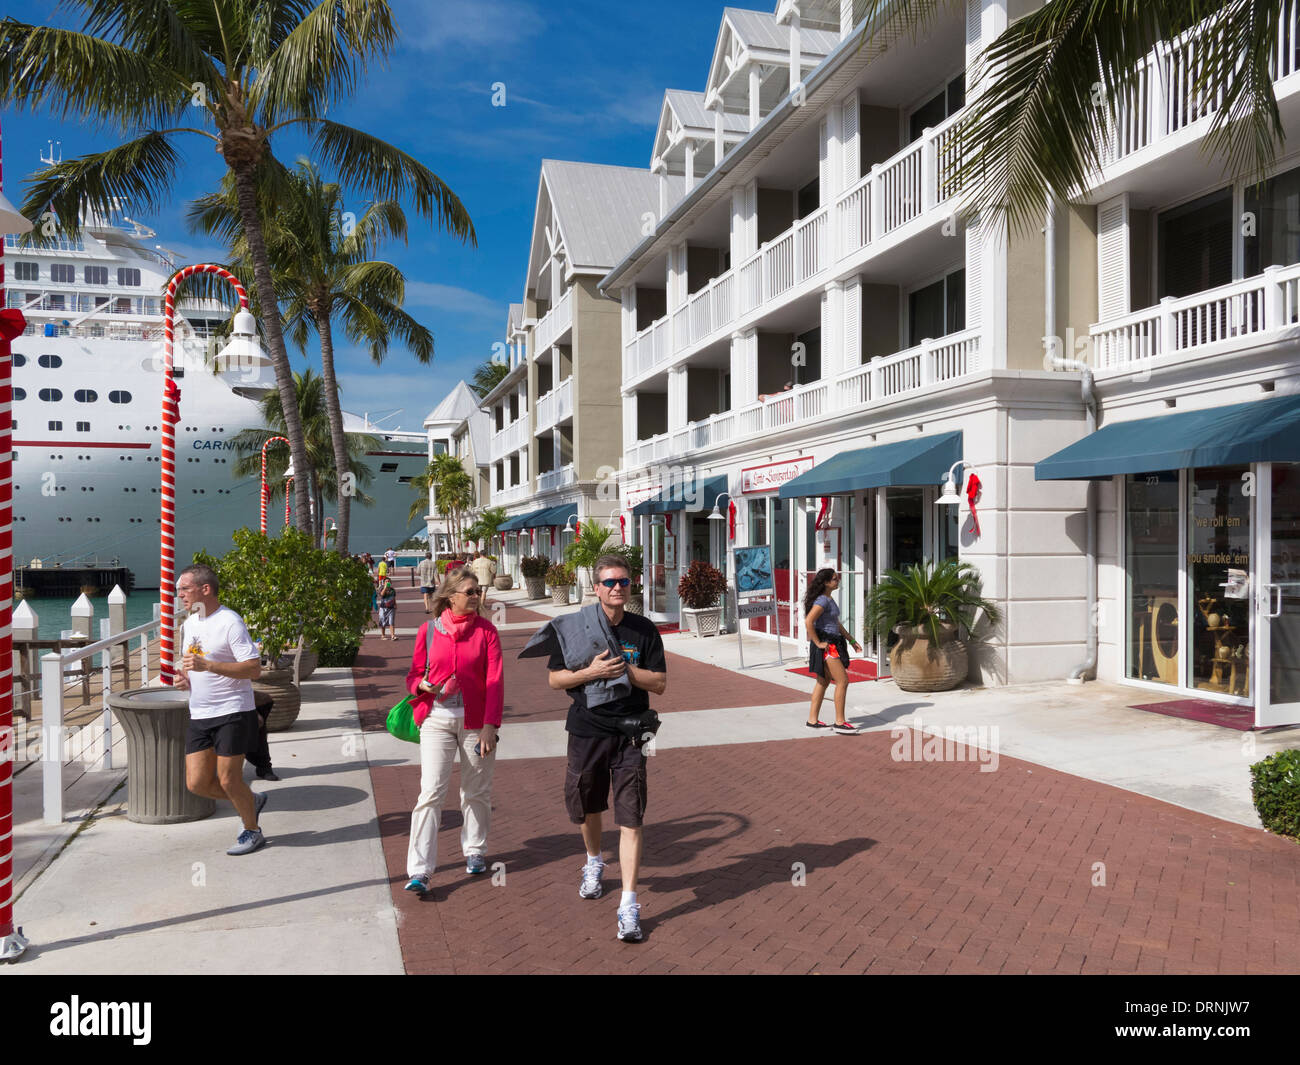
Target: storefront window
[
  {"x": 757, "y": 522},
  {"x": 1218, "y": 569},
  {"x": 1152, "y": 566}
]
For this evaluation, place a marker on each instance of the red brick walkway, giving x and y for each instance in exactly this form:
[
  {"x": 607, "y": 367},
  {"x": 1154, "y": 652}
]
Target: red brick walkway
[{"x": 907, "y": 867}]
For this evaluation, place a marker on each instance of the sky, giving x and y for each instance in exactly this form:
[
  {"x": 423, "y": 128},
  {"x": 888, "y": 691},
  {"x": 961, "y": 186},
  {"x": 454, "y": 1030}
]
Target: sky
[{"x": 582, "y": 81}]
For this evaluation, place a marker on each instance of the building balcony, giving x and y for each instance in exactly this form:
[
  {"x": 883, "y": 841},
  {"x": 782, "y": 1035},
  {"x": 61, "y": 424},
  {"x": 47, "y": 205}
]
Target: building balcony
[
  {"x": 507, "y": 496},
  {"x": 553, "y": 479},
  {"x": 555, "y": 325},
  {"x": 913, "y": 186},
  {"x": 556, "y": 406},
  {"x": 510, "y": 439},
  {"x": 1243, "y": 314},
  {"x": 879, "y": 381}
]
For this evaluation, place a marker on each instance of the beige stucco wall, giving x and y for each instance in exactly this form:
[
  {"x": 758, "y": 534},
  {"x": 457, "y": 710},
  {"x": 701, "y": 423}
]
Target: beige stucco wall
[{"x": 597, "y": 378}]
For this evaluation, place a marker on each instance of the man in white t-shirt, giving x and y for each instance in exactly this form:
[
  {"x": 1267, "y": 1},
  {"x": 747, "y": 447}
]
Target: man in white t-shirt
[{"x": 219, "y": 666}]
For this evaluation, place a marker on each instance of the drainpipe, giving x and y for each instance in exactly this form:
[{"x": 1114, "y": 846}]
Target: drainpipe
[{"x": 1089, "y": 665}]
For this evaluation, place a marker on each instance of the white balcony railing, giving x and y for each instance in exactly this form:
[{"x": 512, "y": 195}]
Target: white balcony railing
[
  {"x": 505, "y": 496},
  {"x": 555, "y": 324},
  {"x": 556, "y": 406},
  {"x": 1243, "y": 310},
  {"x": 904, "y": 188},
  {"x": 553, "y": 479},
  {"x": 510, "y": 439},
  {"x": 930, "y": 363}
]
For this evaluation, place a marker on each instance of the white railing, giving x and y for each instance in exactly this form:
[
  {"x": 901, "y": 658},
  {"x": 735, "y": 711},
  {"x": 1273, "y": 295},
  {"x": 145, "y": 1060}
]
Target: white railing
[
  {"x": 647, "y": 349},
  {"x": 553, "y": 479},
  {"x": 554, "y": 324},
  {"x": 555, "y": 406},
  {"x": 511, "y": 438},
  {"x": 505, "y": 496},
  {"x": 1242, "y": 310},
  {"x": 88, "y": 742}
]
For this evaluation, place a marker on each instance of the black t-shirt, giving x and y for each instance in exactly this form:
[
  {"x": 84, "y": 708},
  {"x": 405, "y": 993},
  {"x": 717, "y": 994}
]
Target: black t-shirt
[{"x": 642, "y": 647}]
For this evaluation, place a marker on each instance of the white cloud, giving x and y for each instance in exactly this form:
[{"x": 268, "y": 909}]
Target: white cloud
[
  {"x": 486, "y": 25},
  {"x": 454, "y": 300},
  {"x": 382, "y": 392}
]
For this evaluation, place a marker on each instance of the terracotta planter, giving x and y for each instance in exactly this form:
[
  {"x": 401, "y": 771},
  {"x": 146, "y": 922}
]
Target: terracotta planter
[
  {"x": 278, "y": 685},
  {"x": 918, "y": 665},
  {"x": 503, "y": 582},
  {"x": 536, "y": 587},
  {"x": 703, "y": 622},
  {"x": 560, "y": 595}
]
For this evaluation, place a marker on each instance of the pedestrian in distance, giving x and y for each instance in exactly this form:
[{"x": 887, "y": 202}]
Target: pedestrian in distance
[
  {"x": 458, "y": 683},
  {"x": 484, "y": 570},
  {"x": 427, "y": 571},
  {"x": 218, "y": 668},
  {"x": 828, "y": 652},
  {"x": 610, "y": 662},
  {"x": 386, "y": 603}
]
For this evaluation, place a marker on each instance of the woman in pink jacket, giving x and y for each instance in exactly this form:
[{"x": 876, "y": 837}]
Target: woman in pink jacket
[{"x": 459, "y": 697}]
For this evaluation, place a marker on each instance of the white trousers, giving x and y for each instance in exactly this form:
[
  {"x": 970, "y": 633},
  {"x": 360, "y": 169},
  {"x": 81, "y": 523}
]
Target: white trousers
[{"x": 439, "y": 741}]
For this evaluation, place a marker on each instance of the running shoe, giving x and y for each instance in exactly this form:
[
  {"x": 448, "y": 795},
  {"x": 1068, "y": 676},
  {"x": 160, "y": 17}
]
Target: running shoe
[
  {"x": 591, "y": 887},
  {"x": 475, "y": 864},
  {"x": 249, "y": 840},
  {"x": 846, "y": 728},
  {"x": 629, "y": 924},
  {"x": 418, "y": 883}
]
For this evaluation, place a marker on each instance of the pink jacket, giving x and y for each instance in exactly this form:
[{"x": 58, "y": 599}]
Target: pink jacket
[{"x": 476, "y": 661}]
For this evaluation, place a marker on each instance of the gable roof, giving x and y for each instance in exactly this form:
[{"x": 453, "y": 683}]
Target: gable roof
[{"x": 455, "y": 407}]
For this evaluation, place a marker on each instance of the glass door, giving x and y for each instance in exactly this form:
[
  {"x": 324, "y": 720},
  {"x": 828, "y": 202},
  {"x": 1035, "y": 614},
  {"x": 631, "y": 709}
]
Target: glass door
[{"x": 1278, "y": 600}]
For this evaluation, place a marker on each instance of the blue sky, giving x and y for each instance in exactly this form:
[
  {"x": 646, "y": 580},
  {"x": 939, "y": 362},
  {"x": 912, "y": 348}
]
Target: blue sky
[{"x": 583, "y": 80}]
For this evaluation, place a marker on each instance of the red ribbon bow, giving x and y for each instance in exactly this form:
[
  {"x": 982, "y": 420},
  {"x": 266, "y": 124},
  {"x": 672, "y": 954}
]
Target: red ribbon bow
[
  {"x": 731, "y": 520},
  {"x": 668, "y": 524},
  {"x": 12, "y": 323},
  {"x": 821, "y": 514},
  {"x": 972, "y": 494},
  {"x": 622, "y": 528},
  {"x": 172, "y": 393}
]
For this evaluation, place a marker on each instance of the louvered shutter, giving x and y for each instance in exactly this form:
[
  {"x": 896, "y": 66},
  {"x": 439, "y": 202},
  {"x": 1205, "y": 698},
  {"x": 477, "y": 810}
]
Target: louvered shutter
[
  {"x": 824, "y": 156},
  {"x": 974, "y": 274},
  {"x": 850, "y": 151},
  {"x": 851, "y": 333},
  {"x": 1112, "y": 259}
]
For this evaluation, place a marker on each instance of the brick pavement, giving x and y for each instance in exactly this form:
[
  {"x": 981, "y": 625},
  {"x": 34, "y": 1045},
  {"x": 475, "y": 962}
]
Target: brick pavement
[{"x": 910, "y": 867}]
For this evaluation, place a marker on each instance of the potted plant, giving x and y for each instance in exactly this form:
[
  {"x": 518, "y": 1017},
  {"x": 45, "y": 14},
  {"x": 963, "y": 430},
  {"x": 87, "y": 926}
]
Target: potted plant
[
  {"x": 932, "y": 609},
  {"x": 560, "y": 578},
  {"x": 634, "y": 557},
  {"x": 700, "y": 590},
  {"x": 592, "y": 542},
  {"x": 534, "y": 568}
]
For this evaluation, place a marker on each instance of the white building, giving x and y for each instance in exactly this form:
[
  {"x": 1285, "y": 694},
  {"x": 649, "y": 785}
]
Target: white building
[{"x": 440, "y": 427}]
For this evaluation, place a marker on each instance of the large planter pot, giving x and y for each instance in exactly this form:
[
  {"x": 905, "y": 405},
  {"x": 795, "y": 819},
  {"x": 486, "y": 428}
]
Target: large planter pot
[
  {"x": 536, "y": 587},
  {"x": 155, "y": 721},
  {"x": 919, "y": 665},
  {"x": 703, "y": 622},
  {"x": 279, "y": 685},
  {"x": 560, "y": 595},
  {"x": 635, "y": 604},
  {"x": 503, "y": 582}
]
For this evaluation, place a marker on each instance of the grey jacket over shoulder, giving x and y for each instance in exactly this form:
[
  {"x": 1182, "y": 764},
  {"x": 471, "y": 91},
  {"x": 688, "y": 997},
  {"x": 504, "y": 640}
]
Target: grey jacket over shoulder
[{"x": 580, "y": 637}]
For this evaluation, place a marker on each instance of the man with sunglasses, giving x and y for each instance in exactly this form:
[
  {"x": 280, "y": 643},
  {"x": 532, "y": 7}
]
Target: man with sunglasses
[{"x": 600, "y": 752}]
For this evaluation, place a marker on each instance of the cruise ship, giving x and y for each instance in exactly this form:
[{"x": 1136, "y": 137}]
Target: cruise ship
[{"x": 87, "y": 376}]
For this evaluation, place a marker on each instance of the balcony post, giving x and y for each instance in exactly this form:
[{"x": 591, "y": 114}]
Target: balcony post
[
  {"x": 877, "y": 203},
  {"x": 927, "y": 361},
  {"x": 929, "y": 170},
  {"x": 1274, "y": 312},
  {"x": 1167, "y": 341}
]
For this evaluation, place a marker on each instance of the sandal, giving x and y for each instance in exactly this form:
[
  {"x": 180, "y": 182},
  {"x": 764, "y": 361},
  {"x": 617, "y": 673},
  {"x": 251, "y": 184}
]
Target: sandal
[{"x": 816, "y": 724}]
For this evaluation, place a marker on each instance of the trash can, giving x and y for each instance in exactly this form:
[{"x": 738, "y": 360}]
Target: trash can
[{"x": 155, "y": 721}]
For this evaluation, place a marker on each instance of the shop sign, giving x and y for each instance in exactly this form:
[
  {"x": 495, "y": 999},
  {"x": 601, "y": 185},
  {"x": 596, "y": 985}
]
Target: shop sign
[
  {"x": 772, "y": 475},
  {"x": 634, "y": 496}
]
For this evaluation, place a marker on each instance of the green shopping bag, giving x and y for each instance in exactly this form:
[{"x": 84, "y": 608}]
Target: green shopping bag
[{"x": 401, "y": 722}]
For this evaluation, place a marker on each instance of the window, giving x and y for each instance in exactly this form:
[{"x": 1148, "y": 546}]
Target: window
[
  {"x": 83, "y": 427},
  {"x": 85, "y": 395},
  {"x": 178, "y": 372},
  {"x": 55, "y": 303},
  {"x": 50, "y": 362},
  {"x": 1275, "y": 210},
  {"x": 404, "y": 480},
  {"x": 20, "y": 360},
  {"x": 63, "y": 273},
  {"x": 809, "y": 367},
  {"x": 95, "y": 275},
  {"x": 56, "y": 427},
  {"x": 944, "y": 104},
  {"x": 938, "y": 309},
  {"x": 1194, "y": 246},
  {"x": 388, "y": 467},
  {"x": 119, "y": 397},
  {"x": 128, "y": 277},
  {"x": 27, "y": 271},
  {"x": 20, "y": 393},
  {"x": 50, "y": 395},
  {"x": 808, "y": 199}
]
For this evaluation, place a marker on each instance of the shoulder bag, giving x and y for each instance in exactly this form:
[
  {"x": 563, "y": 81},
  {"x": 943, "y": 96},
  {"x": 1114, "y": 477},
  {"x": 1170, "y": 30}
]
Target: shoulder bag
[{"x": 401, "y": 718}]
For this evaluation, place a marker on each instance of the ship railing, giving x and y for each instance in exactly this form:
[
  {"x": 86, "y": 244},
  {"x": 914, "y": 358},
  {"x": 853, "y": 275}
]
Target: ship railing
[{"x": 92, "y": 744}]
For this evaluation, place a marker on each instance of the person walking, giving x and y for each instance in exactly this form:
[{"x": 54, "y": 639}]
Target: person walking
[
  {"x": 485, "y": 570},
  {"x": 608, "y": 723},
  {"x": 218, "y": 668},
  {"x": 457, "y": 679},
  {"x": 427, "y": 571},
  {"x": 386, "y": 603},
  {"x": 828, "y": 653}
]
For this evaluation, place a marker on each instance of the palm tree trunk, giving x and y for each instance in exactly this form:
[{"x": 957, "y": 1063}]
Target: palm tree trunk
[
  {"x": 336, "y": 429},
  {"x": 247, "y": 195}
]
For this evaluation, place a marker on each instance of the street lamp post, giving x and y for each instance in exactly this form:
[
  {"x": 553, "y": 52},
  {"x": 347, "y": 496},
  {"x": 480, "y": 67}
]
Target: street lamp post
[
  {"x": 265, "y": 494},
  {"x": 12, "y": 323},
  {"x": 244, "y": 327}
]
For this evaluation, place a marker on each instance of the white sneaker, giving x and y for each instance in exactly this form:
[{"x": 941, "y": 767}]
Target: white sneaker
[
  {"x": 629, "y": 923},
  {"x": 591, "y": 887}
]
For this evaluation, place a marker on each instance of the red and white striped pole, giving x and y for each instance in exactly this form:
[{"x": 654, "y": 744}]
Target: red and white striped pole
[
  {"x": 288, "y": 484},
  {"x": 265, "y": 493},
  {"x": 171, "y": 414},
  {"x": 12, "y": 323}
]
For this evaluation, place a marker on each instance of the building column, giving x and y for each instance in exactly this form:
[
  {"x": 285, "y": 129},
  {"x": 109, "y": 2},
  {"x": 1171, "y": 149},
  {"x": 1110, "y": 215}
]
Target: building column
[
  {"x": 796, "y": 59},
  {"x": 677, "y": 399},
  {"x": 832, "y": 324},
  {"x": 755, "y": 84},
  {"x": 744, "y": 369},
  {"x": 719, "y": 146},
  {"x": 629, "y": 422},
  {"x": 690, "y": 163}
]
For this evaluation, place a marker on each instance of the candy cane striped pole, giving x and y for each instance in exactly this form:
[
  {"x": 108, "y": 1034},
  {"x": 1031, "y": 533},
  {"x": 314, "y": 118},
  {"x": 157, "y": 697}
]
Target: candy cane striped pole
[
  {"x": 288, "y": 483},
  {"x": 171, "y": 414},
  {"x": 12, "y": 943},
  {"x": 265, "y": 493}
]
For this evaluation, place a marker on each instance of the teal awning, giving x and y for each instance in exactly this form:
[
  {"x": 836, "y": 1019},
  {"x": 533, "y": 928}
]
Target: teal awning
[
  {"x": 678, "y": 497},
  {"x": 520, "y": 521},
  {"x": 1267, "y": 430},
  {"x": 557, "y": 516},
  {"x": 923, "y": 461}
]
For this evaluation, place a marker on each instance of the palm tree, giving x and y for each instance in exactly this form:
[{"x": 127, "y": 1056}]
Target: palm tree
[
  {"x": 453, "y": 492},
  {"x": 488, "y": 376},
  {"x": 247, "y": 69},
  {"x": 322, "y": 482},
  {"x": 1046, "y": 93},
  {"x": 321, "y": 264}
]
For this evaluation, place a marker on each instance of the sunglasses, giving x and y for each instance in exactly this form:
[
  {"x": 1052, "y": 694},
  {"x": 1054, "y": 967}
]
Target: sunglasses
[
  {"x": 616, "y": 582},
  {"x": 472, "y": 591}
]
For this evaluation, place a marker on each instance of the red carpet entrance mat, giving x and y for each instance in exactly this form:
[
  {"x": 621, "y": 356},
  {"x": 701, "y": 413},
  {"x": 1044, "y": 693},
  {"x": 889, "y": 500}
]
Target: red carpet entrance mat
[
  {"x": 1241, "y": 718},
  {"x": 859, "y": 669}
]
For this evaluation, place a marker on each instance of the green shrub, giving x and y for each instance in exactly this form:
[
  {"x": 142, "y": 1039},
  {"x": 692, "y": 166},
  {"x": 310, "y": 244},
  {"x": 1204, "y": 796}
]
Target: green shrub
[
  {"x": 1275, "y": 787},
  {"x": 701, "y": 585},
  {"x": 534, "y": 565},
  {"x": 559, "y": 576}
]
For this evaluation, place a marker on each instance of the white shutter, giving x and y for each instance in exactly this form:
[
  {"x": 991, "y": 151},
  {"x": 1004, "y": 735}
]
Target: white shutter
[
  {"x": 851, "y": 333},
  {"x": 850, "y": 151},
  {"x": 1112, "y": 258},
  {"x": 974, "y": 32},
  {"x": 824, "y": 157},
  {"x": 830, "y": 342},
  {"x": 629, "y": 421},
  {"x": 974, "y": 274}
]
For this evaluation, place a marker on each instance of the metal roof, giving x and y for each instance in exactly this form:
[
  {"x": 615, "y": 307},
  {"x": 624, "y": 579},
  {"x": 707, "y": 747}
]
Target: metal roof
[
  {"x": 599, "y": 209},
  {"x": 759, "y": 29},
  {"x": 690, "y": 111},
  {"x": 456, "y": 406}
]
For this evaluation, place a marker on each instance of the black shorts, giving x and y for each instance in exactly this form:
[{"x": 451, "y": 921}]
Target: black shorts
[
  {"x": 230, "y": 735},
  {"x": 426, "y": 589},
  {"x": 595, "y": 762},
  {"x": 816, "y": 656}
]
